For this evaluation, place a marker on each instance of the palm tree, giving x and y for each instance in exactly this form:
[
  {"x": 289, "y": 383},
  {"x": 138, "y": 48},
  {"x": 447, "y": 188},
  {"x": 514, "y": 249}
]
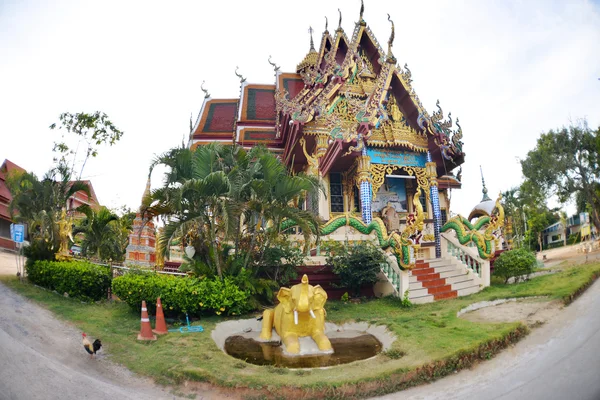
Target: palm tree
[
  {"x": 221, "y": 197},
  {"x": 38, "y": 203},
  {"x": 101, "y": 230}
]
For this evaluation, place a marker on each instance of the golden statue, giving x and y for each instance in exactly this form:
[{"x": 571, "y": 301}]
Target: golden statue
[
  {"x": 300, "y": 312},
  {"x": 64, "y": 234}
]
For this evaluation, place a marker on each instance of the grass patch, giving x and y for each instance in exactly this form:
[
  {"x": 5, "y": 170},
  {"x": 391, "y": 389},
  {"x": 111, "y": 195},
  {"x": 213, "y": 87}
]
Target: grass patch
[{"x": 432, "y": 341}]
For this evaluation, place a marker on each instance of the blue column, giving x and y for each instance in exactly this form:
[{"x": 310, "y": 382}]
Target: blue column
[
  {"x": 437, "y": 215},
  {"x": 366, "y": 190},
  {"x": 365, "y": 201}
]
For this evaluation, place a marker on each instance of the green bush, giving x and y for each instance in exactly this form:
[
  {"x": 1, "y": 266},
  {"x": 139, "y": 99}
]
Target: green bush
[
  {"x": 182, "y": 295},
  {"x": 514, "y": 263},
  {"x": 79, "y": 279},
  {"x": 357, "y": 265}
]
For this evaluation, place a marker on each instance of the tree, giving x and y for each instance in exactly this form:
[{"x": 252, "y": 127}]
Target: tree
[
  {"x": 565, "y": 162},
  {"x": 101, "y": 233},
  {"x": 539, "y": 216},
  {"x": 92, "y": 129},
  {"x": 514, "y": 210},
  {"x": 38, "y": 203},
  {"x": 229, "y": 204}
]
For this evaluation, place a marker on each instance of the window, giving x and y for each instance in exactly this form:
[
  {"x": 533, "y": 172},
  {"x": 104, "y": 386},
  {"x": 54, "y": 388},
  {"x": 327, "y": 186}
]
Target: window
[
  {"x": 444, "y": 215},
  {"x": 336, "y": 192}
]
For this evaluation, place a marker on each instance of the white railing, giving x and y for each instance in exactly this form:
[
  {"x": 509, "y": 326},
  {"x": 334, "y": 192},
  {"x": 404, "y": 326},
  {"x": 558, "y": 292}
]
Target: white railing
[{"x": 468, "y": 256}]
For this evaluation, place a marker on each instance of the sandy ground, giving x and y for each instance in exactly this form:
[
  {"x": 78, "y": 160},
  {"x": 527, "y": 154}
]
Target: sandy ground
[
  {"x": 532, "y": 312},
  {"x": 535, "y": 312},
  {"x": 573, "y": 253}
]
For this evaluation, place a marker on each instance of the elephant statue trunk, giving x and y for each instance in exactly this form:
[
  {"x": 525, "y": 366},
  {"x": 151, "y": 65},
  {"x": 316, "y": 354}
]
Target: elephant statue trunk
[{"x": 300, "y": 312}]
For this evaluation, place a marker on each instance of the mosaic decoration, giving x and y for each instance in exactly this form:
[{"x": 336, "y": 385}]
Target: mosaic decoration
[
  {"x": 396, "y": 157},
  {"x": 366, "y": 189},
  {"x": 482, "y": 233},
  {"x": 402, "y": 245}
]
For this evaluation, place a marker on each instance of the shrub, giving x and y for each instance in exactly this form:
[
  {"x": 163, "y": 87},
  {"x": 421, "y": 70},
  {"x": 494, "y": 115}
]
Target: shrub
[
  {"x": 358, "y": 265},
  {"x": 79, "y": 279},
  {"x": 514, "y": 263},
  {"x": 181, "y": 295}
]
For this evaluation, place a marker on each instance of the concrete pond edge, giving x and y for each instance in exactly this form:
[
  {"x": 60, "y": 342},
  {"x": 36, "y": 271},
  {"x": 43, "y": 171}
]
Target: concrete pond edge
[{"x": 250, "y": 328}]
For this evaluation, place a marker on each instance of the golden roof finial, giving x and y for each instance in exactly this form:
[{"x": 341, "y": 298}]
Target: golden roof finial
[
  {"x": 339, "y": 28},
  {"x": 206, "y": 94},
  {"x": 242, "y": 79},
  {"x": 147, "y": 190},
  {"x": 362, "y": 11},
  {"x": 390, "y": 57},
  {"x": 326, "y": 23},
  {"x": 312, "y": 44},
  {"x": 275, "y": 66}
]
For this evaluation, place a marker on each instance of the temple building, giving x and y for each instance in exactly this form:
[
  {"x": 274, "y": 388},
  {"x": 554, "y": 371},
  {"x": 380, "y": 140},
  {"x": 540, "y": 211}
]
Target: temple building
[{"x": 350, "y": 115}]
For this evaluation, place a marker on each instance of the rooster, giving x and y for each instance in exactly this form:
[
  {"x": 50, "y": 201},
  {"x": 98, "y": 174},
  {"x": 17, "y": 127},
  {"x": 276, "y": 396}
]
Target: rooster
[{"x": 91, "y": 348}]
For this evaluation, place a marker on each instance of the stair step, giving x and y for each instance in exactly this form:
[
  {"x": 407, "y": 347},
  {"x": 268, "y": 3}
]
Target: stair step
[
  {"x": 423, "y": 271},
  {"x": 415, "y": 285},
  {"x": 433, "y": 283},
  {"x": 444, "y": 268},
  {"x": 422, "y": 300},
  {"x": 427, "y": 277},
  {"x": 464, "y": 284},
  {"x": 437, "y": 261},
  {"x": 446, "y": 295},
  {"x": 458, "y": 278},
  {"x": 417, "y": 293},
  {"x": 469, "y": 290},
  {"x": 439, "y": 289}
]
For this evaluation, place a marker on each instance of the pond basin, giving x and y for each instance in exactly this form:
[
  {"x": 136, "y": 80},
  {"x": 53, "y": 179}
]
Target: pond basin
[{"x": 345, "y": 350}]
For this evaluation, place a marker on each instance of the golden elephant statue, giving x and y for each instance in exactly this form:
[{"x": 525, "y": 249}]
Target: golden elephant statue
[{"x": 300, "y": 312}]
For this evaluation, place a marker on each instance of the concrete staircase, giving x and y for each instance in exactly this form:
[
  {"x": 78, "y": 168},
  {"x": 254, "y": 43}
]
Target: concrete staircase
[{"x": 443, "y": 278}]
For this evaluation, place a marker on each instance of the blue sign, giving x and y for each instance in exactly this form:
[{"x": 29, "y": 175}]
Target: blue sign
[
  {"x": 397, "y": 157},
  {"x": 17, "y": 232}
]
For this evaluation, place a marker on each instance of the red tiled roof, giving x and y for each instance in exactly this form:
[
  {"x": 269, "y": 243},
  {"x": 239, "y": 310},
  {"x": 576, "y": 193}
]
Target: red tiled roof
[
  {"x": 217, "y": 119},
  {"x": 7, "y": 167},
  {"x": 258, "y": 104}
]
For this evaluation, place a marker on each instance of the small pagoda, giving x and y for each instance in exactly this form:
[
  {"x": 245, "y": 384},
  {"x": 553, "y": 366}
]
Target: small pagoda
[{"x": 141, "y": 250}]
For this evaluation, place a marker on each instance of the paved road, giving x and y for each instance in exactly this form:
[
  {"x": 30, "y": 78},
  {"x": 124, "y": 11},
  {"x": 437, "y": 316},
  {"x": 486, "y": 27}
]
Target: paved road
[
  {"x": 560, "y": 360},
  {"x": 42, "y": 358}
]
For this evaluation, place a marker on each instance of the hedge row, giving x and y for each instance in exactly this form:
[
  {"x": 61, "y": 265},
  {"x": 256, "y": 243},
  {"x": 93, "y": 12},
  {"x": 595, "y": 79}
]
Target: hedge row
[
  {"x": 181, "y": 295},
  {"x": 79, "y": 279}
]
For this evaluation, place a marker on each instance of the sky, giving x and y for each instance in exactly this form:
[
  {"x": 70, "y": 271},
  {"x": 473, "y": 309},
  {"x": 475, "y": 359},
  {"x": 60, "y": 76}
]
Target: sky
[{"x": 509, "y": 70}]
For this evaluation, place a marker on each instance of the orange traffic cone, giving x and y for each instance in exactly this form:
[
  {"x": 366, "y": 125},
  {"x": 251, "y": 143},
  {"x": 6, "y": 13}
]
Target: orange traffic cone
[
  {"x": 146, "y": 330},
  {"x": 161, "y": 326}
]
